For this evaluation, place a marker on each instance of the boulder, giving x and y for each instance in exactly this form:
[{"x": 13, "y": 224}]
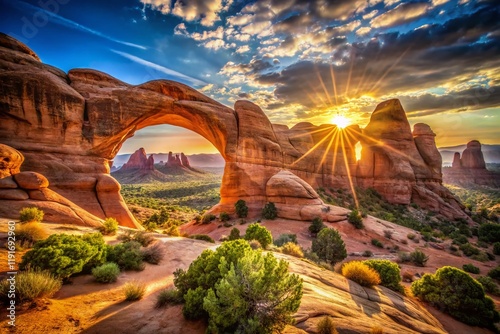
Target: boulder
[
  {"x": 13, "y": 194},
  {"x": 31, "y": 180},
  {"x": 7, "y": 182},
  {"x": 10, "y": 161}
]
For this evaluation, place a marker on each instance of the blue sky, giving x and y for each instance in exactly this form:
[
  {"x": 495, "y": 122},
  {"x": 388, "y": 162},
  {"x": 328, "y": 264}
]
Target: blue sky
[{"x": 299, "y": 60}]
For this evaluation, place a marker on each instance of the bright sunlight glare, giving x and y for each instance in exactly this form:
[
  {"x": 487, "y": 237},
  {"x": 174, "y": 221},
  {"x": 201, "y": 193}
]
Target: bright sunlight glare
[{"x": 341, "y": 121}]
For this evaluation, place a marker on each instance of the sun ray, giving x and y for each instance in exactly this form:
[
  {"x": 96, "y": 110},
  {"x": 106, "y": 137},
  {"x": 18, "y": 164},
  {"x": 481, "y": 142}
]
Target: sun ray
[
  {"x": 349, "y": 176},
  {"x": 334, "y": 85},
  {"x": 312, "y": 148}
]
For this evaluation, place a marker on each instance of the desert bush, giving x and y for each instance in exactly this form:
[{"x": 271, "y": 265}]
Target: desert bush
[
  {"x": 224, "y": 216},
  {"x": 411, "y": 236},
  {"x": 355, "y": 219},
  {"x": 234, "y": 234},
  {"x": 326, "y": 326},
  {"x": 106, "y": 273},
  {"x": 360, "y": 273},
  {"x": 311, "y": 256},
  {"x": 126, "y": 255},
  {"x": 62, "y": 255},
  {"x": 470, "y": 268},
  {"x": 404, "y": 257},
  {"x": 142, "y": 237},
  {"x": 203, "y": 237},
  {"x": 259, "y": 233},
  {"x": 207, "y": 218},
  {"x": 29, "y": 286},
  {"x": 30, "y": 215},
  {"x": 269, "y": 211},
  {"x": 254, "y": 244},
  {"x": 213, "y": 288},
  {"x": 285, "y": 238},
  {"x": 496, "y": 248},
  {"x": 29, "y": 233},
  {"x": 367, "y": 253},
  {"x": 153, "y": 253},
  {"x": 134, "y": 290},
  {"x": 377, "y": 243},
  {"x": 316, "y": 225},
  {"x": 389, "y": 272},
  {"x": 293, "y": 249},
  {"x": 419, "y": 258},
  {"x": 329, "y": 246},
  {"x": 173, "y": 231},
  {"x": 489, "y": 285},
  {"x": 96, "y": 241},
  {"x": 495, "y": 273},
  {"x": 241, "y": 208},
  {"x": 388, "y": 234},
  {"x": 169, "y": 296},
  {"x": 489, "y": 232},
  {"x": 458, "y": 294},
  {"x": 109, "y": 227}
]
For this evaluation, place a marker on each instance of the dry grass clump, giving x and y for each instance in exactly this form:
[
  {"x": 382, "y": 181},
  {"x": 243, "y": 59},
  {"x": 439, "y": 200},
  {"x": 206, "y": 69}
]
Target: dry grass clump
[
  {"x": 134, "y": 290},
  {"x": 360, "y": 273},
  {"x": 292, "y": 249}
]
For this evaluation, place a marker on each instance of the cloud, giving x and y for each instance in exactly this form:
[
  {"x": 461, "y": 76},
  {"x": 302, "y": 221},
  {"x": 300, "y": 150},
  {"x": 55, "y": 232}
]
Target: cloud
[
  {"x": 243, "y": 49},
  {"x": 58, "y": 19},
  {"x": 215, "y": 44},
  {"x": 160, "y": 68},
  {"x": 403, "y": 13},
  {"x": 162, "y": 6},
  {"x": 363, "y": 31}
]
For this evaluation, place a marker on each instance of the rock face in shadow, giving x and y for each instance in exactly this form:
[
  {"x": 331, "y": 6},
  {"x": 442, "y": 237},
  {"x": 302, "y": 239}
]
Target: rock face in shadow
[{"x": 70, "y": 126}]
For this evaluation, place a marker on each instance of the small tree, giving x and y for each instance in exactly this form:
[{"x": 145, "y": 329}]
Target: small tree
[
  {"x": 109, "y": 227},
  {"x": 224, "y": 216},
  {"x": 355, "y": 219},
  {"x": 389, "y": 272},
  {"x": 234, "y": 234},
  {"x": 30, "y": 214},
  {"x": 419, "y": 258},
  {"x": 316, "y": 225},
  {"x": 269, "y": 211},
  {"x": 329, "y": 246},
  {"x": 241, "y": 208},
  {"x": 259, "y": 233}
]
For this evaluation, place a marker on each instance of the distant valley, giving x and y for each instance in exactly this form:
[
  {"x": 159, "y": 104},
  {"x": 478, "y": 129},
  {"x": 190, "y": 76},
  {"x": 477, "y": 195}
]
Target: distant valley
[{"x": 196, "y": 160}]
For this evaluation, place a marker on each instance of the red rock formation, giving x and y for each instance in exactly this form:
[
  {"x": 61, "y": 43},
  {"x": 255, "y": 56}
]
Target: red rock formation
[
  {"x": 138, "y": 160},
  {"x": 150, "y": 163},
  {"x": 185, "y": 161},
  {"x": 457, "y": 163},
  {"x": 472, "y": 156}
]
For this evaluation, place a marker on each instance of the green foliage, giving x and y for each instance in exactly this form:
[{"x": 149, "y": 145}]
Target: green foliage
[
  {"x": 360, "y": 273},
  {"x": 256, "y": 295},
  {"x": 109, "y": 227},
  {"x": 126, "y": 255},
  {"x": 207, "y": 218},
  {"x": 241, "y": 208},
  {"x": 489, "y": 285},
  {"x": 460, "y": 240},
  {"x": 29, "y": 233},
  {"x": 234, "y": 234},
  {"x": 255, "y": 244},
  {"x": 377, "y": 243},
  {"x": 224, "y": 216},
  {"x": 355, "y": 219},
  {"x": 457, "y": 293},
  {"x": 30, "y": 215},
  {"x": 496, "y": 248},
  {"x": 389, "y": 273},
  {"x": 489, "y": 232},
  {"x": 169, "y": 296},
  {"x": 269, "y": 211},
  {"x": 285, "y": 238},
  {"x": 419, "y": 258},
  {"x": 153, "y": 253},
  {"x": 157, "y": 219},
  {"x": 329, "y": 246},
  {"x": 316, "y": 225},
  {"x": 293, "y": 249},
  {"x": 106, "y": 273},
  {"x": 495, "y": 273},
  {"x": 470, "y": 268},
  {"x": 326, "y": 326},
  {"x": 259, "y": 233},
  {"x": 30, "y": 285},
  {"x": 142, "y": 237},
  {"x": 97, "y": 241},
  {"x": 134, "y": 290},
  {"x": 469, "y": 250},
  {"x": 61, "y": 254},
  {"x": 203, "y": 237}
]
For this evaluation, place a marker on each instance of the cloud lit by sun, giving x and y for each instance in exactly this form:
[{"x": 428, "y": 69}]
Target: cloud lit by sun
[{"x": 341, "y": 121}]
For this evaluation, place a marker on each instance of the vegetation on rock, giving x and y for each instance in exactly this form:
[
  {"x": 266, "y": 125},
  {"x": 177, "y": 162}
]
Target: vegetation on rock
[
  {"x": 316, "y": 225},
  {"x": 241, "y": 208},
  {"x": 30, "y": 285},
  {"x": 106, "y": 273},
  {"x": 109, "y": 227},
  {"x": 259, "y": 233},
  {"x": 329, "y": 246},
  {"x": 30, "y": 215},
  {"x": 126, "y": 255},
  {"x": 360, "y": 273},
  {"x": 389, "y": 272},
  {"x": 269, "y": 211},
  {"x": 355, "y": 219}
]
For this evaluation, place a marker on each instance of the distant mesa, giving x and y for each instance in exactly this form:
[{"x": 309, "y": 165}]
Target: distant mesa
[{"x": 139, "y": 160}]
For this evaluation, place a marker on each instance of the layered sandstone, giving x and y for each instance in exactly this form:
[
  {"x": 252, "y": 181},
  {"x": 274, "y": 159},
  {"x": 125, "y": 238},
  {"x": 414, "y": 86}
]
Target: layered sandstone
[
  {"x": 139, "y": 161},
  {"x": 70, "y": 126}
]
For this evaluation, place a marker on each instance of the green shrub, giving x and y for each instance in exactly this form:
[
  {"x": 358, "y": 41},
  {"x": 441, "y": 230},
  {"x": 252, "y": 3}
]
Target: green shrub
[
  {"x": 329, "y": 246},
  {"x": 367, "y": 253},
  {"x": 460, "y": 240},
  {"x": 404, "y": 257},
  {"x": 29, "y": 286},
  {"x": 109, "y": 227},
  {"x": 489, "y": 232},
  {"x": 470, "y": 268},
  {"x": 207, "y": 218},
  {"x": 489, "y": 285},
  {"x": 360, "y": 273},
  {"x": 126, "y": 255},
  {"x": 224, "y": 216},
  {"x": 234, "y": 234},
  {"x": 169, "y": 296},
  {"x": 29, "y": 233},
  {"x": 203, "y": 237},
  {"x": 469, "y": 250},
  {"x": 458, "y": 294},
  {"x": 355, "y": 219},
  {"x": 213, "y": 288},
  {"x": 106, "y": 273},
  {"x": 61, "y": 254},
  {"x": 377, "y": 243},
  {"x": 292, "y": 249},
  {"x": 495, "y": 273},
  {"x": 97, "y": 241},
  {"x": 326, "y": 326},
  {"x": 269, "y": 211},
  {"x": 285, "y": 238},
  {"x": 30, "y": 215},
  {"x": 142, "y": 237},
  {"x": 134, "y": 290},
  {"x": 419, "y": 258},
  {"x": 389, "y": 272},
  {"x": 153, "y": 253},
  {"x": 411, "y": 236},
  {"x": 316, "y": 225},
  {"x": 496, "y": 248},
  {"x": 241, "y": 208},
  {"x": 259, "y": 233}
]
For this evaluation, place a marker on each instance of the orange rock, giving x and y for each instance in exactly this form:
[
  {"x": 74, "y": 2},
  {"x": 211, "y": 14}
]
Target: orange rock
[
  {"x": 14, "y": 194},
  {"x": 31, "y": 180},
  {"x": 10, "y": 161}
]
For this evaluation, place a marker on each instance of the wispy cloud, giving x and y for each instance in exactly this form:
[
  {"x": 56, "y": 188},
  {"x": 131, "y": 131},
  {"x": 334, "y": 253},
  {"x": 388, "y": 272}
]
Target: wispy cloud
[
  {"x": 58, "y": 19},
  {"x": 160, "y": 68}
]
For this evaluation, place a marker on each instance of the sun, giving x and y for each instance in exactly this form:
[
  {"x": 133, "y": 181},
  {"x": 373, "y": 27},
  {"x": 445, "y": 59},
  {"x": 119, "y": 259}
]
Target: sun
[{"x": 341, "y": 121}]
